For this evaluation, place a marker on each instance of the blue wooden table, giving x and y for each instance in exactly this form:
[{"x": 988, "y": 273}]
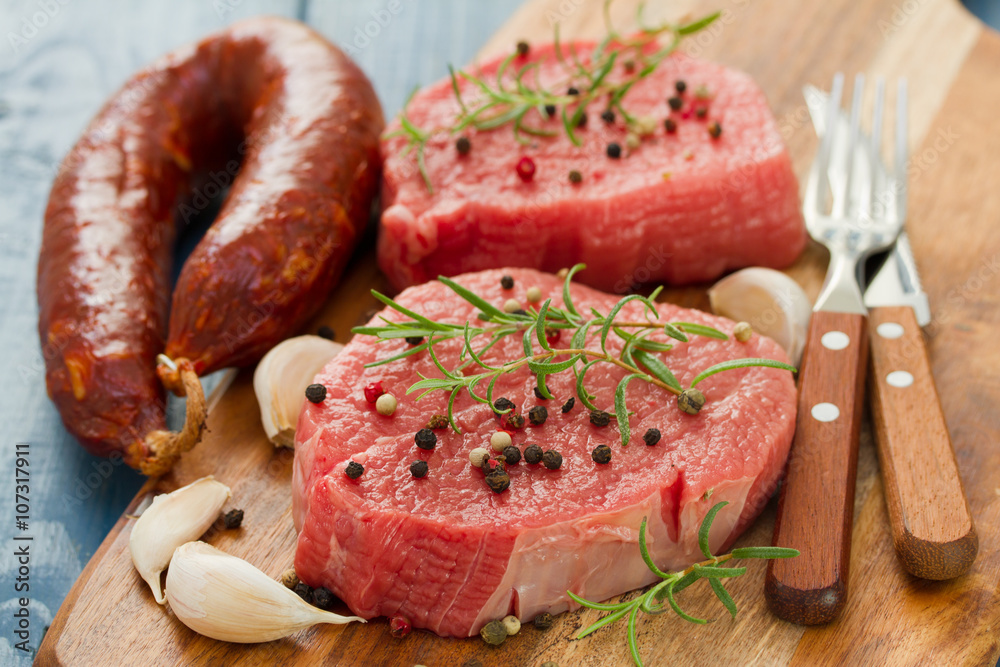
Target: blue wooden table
[{"x": 59, "y": 60}]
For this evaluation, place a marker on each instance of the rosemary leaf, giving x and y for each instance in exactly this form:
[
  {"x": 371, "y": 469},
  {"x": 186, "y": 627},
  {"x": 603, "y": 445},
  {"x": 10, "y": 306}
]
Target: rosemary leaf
[
  {"x": 674, "y": 332},
  {"x": 677, "y": 608},
  {"x": 701, "y": 330},
  {"x": 542, "y": 387},
  {"x": 609, "y": 320},
  {"x": 621, "y": 411},
  {"x": 644, "y": 552},
  {"x": 723, "y": 595},
  {"x": 540, "y": 326},
  {"x": 657, "y": 368},
  {"x": 764, "y": 552},
  {"x": 472, "y": 352},
  {"x": 607, "y": 620},
  {"x": 598, "y": 605},
  {"x": 581, "y": 391},
  {"x": 397, "y": 357},
  {"x": 711, "y": 572},
  {"x": 632, "y": 644},
  {"x": 706, "y": 526},
  {"x": 698, "y": 25},
  {"x": 476, "y": 300},
  {"x": 550, "y": 368},
  {"x": 435, "y": 326},
  {"x": 451, "y": 410},
  {"x": 740, "y": 363}
]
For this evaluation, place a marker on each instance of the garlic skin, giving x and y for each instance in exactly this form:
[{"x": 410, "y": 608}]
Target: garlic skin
[
  {"x": 774, "y": 305},
  {"x": 281, "y": 377},
  {"x": 226, "y": 598},
  {"x": 171, "y": 520}
]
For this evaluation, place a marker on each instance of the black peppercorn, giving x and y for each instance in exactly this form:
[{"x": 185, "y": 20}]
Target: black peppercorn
[
  {"x": 568, "y": 405},
  {"x": 608, "y": 116},
  {"x": 414, "y": 340},
  {"x": 675, "y": 103},
  {"x": 326, "y": 332},
  {"x": 581, "y": 121},
  {"x": 463, "y": 145},
  {"x": 233, "y": 519},
  {"x": 512, "y": 455},
  {"x": 533, "y": 454},
  {"x": 714, "y": 129},
  {"x": 701, "y": 112},
  {"x": 680, "y": 86},
  {"x": 523, "y": 48},
  {"x": 425, "y": 439},
  {"x": 520, "y": 311},
  {"x": 550, "y": 110},
  {"x": 304, "y": 591},
  {"x": 543, "y": 621},
  {"x": 573, "y": 91},
  {"x": 575, "y": 176},
  {"x": 323, "y": 598},
  {"x": 601, "y": 454},
  {"x": 438, "y": 422},
  {"x": 538, "y": 394},
  {"x": 614, "y": 150},
  {"x": 507, "y": 282},
  {"x": 552, "y": 459},
  {"x": 498, "y": 480},
  {"x": 671, "y": 125},
  {"x": 503, "y": 403},
  {"x": 651, "y": 437},
  {"x": 599, "y": 418},
  {"x": 515, "y": 420},
  {"x": 315, "y": 393},
  {"x": 354, "y": 470},
  {"x": 418, "y": 469},
  {"x": 537, "y": 415}
]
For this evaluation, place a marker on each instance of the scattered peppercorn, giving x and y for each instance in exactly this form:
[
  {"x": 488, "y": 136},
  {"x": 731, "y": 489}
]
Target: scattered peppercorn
[
  {"x": 326, "y": 332},
  {"x": 632, "y": 141},
  {"x": 608, "y": 116},
  {"x": 507, "y": 282},
  {"x": 477, "y": 456},
  {"x": 425, "y": 439},
  {"x": 400, "y": 626},
  {"x": 552, "y": 459},
  {"x": 493, "y": 633},
  {"x": 651, "y": 436},
  {"x": 525, "y": 169},
  {"x": 511, "y": 306},
  {"x": 304, "y": 591},
  {"x": 414, "y": 340},
  {"x": 386, "y": 405},
  {"x": 670, "y": 125},
  {"x": 534, "y": 294},
  {"x": 511, "y": 624},
  {"x": 533, "y": 454},
  {"x": 675, "y": 103},
  {"x": 550, "y": 110},
  {"x": 599, "y": 418},
  {"x": 742, "y": 331},
  {"x": 289, "y": 579},
  {"x": 552, "y": 336},
  {"x": 514, "y": 420},
  {"x": 512, "y": 455},
  {"x": 316, "y": 393},
  {"x": 614, "y": 150},
  {"x": 581, "y": 120},
  {"x": 573, "y": 91},
  {"x": 701, "y": 112},
  {"x": 537, "y": 415},
  {"x": 523, "y": 48},
  {"x": 690, "y": 401},
  {"x": 701, "y": 92},
  {"x": 500, "y": 440},
  {"x": 372, "y": 391},
  {"x": 503, "y": 403},
  {"x": 498, "y": 481},
  {"x": 568, "y": 405},
  {"x": 354, "y": 470},
  {"x": 575, "y": 176},
  {"x": 463, "y": 145},
  {"x": 419, "y": 469},
  {"x": 629, "y": 66},
  {"x": 680, "y": 85},
  {"x": 493, "y": 464},
  {"x": 323, "y": 598},
  {"x": 543, "y": 621},
  {"x": 714, "y": 129},
  {"x": 519, "y": 311},
  {"x": 538, "y": 394},
  {"x": 601, "y": 454},
  {"x": 437, "y": 422},
  {"x": 233, "y": 519}
]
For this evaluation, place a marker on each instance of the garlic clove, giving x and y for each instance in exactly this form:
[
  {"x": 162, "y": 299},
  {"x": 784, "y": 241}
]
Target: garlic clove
[
  {"x": 226, "y": 598},
  {"x": 281, "y": 377},
  {"x": 171, "y": 520},
  {"x": 773, "y": 303}
]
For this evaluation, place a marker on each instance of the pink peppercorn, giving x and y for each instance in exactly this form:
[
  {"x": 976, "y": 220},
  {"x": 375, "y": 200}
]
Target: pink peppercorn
[
  {"x": 373, "y": 391},
  {"x": 526, "y": 169},
  {"x": 400, "y": 626}
]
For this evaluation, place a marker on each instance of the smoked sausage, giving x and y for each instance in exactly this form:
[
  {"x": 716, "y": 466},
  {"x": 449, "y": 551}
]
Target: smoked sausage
[{"x": 267, "y": 108}]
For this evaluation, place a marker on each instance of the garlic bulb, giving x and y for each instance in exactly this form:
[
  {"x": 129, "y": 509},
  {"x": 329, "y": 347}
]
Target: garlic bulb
[
  {"x": 281, "y": 377},
  {"x": 171, "y": 520},
  {"x": 774, "y": 305},
  {"x": 226, "y": 598}
]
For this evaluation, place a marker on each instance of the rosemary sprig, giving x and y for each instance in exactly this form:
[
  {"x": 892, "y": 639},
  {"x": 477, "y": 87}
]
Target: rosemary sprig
[
  {"x": 640, "y": 357},
  {"x": 652, "y": 600},
  {"x": 520, "y": 101}
]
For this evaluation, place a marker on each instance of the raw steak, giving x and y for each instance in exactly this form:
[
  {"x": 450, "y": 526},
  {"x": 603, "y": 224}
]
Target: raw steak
[
  {"x": 451, "y": 554},
  {"x": 681, "y": 208}
]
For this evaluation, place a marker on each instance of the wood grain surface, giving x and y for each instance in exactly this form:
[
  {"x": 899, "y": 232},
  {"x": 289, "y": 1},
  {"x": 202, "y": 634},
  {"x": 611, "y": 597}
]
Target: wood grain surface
[{"x": 890, "y": 617}]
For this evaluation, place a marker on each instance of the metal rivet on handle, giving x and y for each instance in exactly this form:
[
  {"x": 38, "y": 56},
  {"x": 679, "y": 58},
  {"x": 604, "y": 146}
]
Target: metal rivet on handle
[
  {"x": 889, "y": 330},
  {"x": 899, "y": 379},
  {"x": 835, "y": 340},
  {"x": 825, "y": 412}
]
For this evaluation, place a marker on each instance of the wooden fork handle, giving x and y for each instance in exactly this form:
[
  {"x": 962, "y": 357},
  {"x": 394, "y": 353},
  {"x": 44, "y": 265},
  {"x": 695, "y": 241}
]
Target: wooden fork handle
[
  {"x": 816, "y": 506},
  {"x": 932, "y": 527}
]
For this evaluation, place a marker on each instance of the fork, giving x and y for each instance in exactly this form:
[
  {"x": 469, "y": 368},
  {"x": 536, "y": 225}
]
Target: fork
[{"x": 854, "y": 208}]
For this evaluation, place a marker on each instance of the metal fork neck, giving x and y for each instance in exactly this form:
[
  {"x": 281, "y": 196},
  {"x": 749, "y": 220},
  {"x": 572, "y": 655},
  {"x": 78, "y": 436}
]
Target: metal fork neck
[{"x": 840, "y": 291}]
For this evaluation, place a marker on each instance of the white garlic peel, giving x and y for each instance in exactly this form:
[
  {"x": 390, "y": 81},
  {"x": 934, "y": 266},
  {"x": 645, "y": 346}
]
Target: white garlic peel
[
  {"x": 281, "y": 378},
  {"x": 773, "y": 303},
  {"x": 171, "y": 520},
  {"x": 226, "y": 598}
]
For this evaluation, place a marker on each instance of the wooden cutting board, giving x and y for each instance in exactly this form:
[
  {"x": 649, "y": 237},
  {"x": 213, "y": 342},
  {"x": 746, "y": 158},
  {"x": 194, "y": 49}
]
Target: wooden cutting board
[{"x": 953, "y": 64}]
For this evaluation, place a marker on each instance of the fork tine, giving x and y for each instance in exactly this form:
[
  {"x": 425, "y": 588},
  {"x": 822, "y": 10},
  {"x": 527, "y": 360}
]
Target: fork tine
[
  {"x": 902, "y": 156},
  {"x": 878, "y": 174},
  {"x": 842, "y": 195},
  {"x": 816, "y": 195}
]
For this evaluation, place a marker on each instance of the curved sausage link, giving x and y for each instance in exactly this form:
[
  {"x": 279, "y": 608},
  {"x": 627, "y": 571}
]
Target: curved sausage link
[{"x": 270, "y": 107}]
